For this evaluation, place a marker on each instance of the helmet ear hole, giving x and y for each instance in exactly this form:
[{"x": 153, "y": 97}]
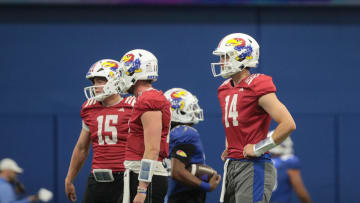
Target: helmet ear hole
[{"x": 182, "y": 112}]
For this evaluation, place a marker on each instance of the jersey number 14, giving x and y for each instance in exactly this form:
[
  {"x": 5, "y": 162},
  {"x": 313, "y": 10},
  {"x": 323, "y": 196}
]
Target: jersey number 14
[{"x": 230, "y": 111}]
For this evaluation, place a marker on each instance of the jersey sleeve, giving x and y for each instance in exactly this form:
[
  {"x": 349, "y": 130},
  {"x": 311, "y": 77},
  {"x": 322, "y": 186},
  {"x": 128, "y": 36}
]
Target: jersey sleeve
[
  {"x": 84, "y": 126},
  {"x": 293, "y": 163},
  {"x": 82, "y": 112},
  {"x": 84, "y": 107},
  {"x": 85, "y": 112},
  {"x": 183, "y": 152},
  {"x": 263, "y": 85}
]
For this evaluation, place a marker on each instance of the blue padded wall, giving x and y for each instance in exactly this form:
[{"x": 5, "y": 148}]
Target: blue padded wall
[
  {"x": 29, "y": 140},
  {"x": 348, "y": 165}
]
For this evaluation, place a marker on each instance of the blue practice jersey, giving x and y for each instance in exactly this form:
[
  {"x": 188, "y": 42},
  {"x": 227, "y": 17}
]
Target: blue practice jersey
[
  {"x": 184, "y": 135},
  {"x": 282, "y": 194}
]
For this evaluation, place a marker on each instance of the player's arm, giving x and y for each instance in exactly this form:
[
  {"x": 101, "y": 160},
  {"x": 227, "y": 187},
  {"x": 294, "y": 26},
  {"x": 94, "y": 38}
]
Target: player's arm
[
  {"x": 298, "y": 185},
  {"x": 79, "y": 155},
  {"x": 286, "y": 124},
  {"x": 181, "y": 174},
  {"x": 179, "y": 162},
  {"x": 152, "y": 125}
]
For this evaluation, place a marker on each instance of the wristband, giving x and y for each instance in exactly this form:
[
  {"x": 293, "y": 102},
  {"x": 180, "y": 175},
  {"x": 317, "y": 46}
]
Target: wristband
[
  {"x": 263, "y": 146},
  {"x": 146, "y": 170},
  {"x": 141, "y": 190},
  {"x": 205, "y": 186}
]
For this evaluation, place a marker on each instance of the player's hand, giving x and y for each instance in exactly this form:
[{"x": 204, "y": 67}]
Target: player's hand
[
  {"x": 214, "y": 181},
  {"x": 249, "y": 151},
  {"x": 70, "y": 191},
  {"x": 224, "y": 155},
  {"x": 140, "y": 198}
]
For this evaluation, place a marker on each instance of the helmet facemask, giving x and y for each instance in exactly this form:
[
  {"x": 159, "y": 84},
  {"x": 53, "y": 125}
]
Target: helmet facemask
[
  {"x": 229, "y": 65},
  {"x": 125, "y": 83},
  {"x": 110, "y": 88},
  {"x": 197, "y": 113}
]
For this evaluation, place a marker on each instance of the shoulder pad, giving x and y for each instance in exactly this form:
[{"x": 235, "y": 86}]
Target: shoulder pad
[
  {"x": 152, "y": 101},
  {"x": 261, "y": 84},
  {"x": 252, "y": 77}
]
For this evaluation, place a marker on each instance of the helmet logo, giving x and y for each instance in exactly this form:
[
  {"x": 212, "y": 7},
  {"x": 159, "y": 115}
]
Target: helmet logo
[
  {"x": 236, "y": 42},
  {"x": 239, "y": 45},
  {"x": 245, "y": 52},
  {"x": 110, "y": 64},
  {"x": 177, "y": 101},
  {"x": 128, "y": 59},
  {"x": 134, "y": 64}
]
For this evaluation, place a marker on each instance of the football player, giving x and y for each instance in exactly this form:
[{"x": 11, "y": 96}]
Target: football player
[
  {"x": 185, "y": 149},
  {"x": 288, "y": 169},
  {"x": 105, "y": 117},
  {"x": 248, "y": 103},
  {"x": 146, "y": 179}
]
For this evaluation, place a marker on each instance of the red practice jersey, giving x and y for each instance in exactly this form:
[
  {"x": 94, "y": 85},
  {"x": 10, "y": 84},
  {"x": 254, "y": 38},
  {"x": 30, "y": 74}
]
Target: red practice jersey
[
  {"x": 245, "y": 122},
  {"x": 109, "y": 130},
  {"x": 150, "y": 100}
]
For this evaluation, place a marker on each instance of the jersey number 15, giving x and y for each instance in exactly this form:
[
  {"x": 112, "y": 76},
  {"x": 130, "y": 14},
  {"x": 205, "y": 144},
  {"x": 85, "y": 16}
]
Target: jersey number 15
[{"x": 107, "y": 128}]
